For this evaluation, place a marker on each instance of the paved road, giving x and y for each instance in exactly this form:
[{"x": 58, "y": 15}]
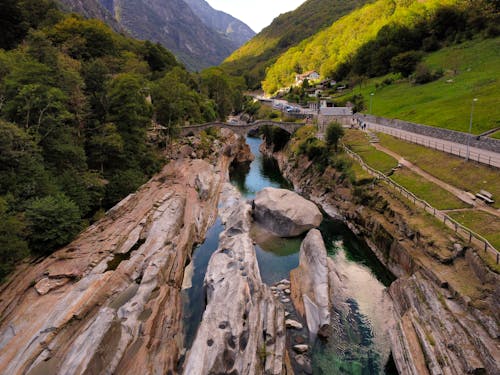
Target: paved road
[{"x": 476, "y": 154}]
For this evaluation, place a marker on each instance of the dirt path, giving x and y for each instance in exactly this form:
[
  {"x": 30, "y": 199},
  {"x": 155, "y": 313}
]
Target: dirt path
[{"x": 460, "y": 194}]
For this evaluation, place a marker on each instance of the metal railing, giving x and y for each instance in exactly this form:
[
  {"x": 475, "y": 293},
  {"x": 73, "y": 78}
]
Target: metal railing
[
  {"x": 448, "y": 147},
  {"x": 460, "y": 229}
]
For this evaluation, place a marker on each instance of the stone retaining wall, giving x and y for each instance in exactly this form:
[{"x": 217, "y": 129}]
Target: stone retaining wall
[{"x": 430, "y": 131}]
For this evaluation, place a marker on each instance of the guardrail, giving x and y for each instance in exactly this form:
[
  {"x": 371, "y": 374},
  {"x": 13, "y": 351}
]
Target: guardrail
[
  {"x": 460, "y": 229},
  {"x": 448, "y": 147}
]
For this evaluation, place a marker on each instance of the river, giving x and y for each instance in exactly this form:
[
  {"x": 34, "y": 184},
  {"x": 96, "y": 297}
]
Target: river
[{"x": 360, "y": 344}]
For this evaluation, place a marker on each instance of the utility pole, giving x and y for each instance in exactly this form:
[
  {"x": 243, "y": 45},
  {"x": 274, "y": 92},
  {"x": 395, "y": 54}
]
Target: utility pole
[{"x": 470, "y": 128}]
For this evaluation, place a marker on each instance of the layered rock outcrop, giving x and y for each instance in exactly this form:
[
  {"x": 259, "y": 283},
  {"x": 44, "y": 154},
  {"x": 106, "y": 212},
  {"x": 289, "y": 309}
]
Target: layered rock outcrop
[
  {"x": 285, "y": 213},
  {"x": 310, "y": 291},
  {"x": 446, "y": 302},
  {"x": 110, "y": 301},
  {"x": 243, "y": 326}
]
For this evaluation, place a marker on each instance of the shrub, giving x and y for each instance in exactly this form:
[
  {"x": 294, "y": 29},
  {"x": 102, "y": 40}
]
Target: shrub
[
  {"x": 53, "y": 221},
  {"x": 406, "y": 62},
  {"x": 334, "y": 132},
  {"x": 424, "y": 75}
]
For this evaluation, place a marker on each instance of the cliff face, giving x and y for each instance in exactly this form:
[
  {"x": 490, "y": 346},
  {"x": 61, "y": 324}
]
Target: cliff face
[
  {"x": 110, "y": 302},
  {"x": 196, "y": 33},
  {"x": 446, "y": 299}
]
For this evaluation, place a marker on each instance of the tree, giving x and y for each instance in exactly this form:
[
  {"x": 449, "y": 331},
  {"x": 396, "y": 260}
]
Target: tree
[
  {"x": 53, "y": 221},
  {"x": 131, "y": 113},
  {"x": 406, "y": 62},
  {"x": 13, "y": 247},
  {"x": 334, "y": 132},
  {"x": 106, "y": 146}
]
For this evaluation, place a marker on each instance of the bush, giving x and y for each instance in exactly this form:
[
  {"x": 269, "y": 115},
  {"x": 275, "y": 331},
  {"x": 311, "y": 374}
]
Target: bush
[
  {"x": 13, "y": 247},
  {"x": 406, "y": 62},
  {"x": 313, "y": 148},
  {"x": 424, "y": 75},
  {"x": 121, "y": 184},
  {"x": 334, "y": 132},
  {"x": 53, "y": 222}
]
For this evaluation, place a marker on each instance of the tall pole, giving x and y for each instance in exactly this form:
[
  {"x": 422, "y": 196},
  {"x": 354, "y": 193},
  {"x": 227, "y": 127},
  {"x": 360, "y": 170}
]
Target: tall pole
[
  {"x": 371, "y": 97},
  {"x": 470, "y": 129}
]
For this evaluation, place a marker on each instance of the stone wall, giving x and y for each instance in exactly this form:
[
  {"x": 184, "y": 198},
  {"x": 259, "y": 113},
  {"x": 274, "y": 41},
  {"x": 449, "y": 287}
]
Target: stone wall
[{"x": 483, "y": 143}]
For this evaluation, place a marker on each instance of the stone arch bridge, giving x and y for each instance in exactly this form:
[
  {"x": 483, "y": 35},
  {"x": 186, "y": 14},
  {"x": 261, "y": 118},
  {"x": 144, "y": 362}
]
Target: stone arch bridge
[{"x": 241, "y": 129}]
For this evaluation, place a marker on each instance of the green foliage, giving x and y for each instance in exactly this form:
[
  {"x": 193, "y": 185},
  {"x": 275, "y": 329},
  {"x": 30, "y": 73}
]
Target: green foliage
[
  {"x": 470, "y": 70},
  {"x": 121, "y": 184},
  {"x": 76, "y": 103},
  {"x": 53, "y": 221},
  {"x": 13, "y": 246},
  {"x": 423, "y": 74},
  {"x": 365, "y": 41},
  {"x": 406, "y": 62},
  {"x": 334, "y": 132},
  {"x": 287, "y": 30}
]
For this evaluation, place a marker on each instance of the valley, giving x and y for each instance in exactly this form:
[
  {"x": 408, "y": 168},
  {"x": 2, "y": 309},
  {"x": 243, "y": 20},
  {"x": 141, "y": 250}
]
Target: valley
[{"x": 181, "y": 195}]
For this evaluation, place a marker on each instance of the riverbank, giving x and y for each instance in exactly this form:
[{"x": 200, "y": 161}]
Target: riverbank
[
  {"x": 110, "y": 302},
  {"x": 438, "y": 276}
]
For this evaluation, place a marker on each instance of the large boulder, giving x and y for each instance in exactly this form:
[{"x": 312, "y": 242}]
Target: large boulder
[
  {"x": 285, "y": 213},
  {"x": 243, "y": 326},
  {"x": 310, "y": 284}
]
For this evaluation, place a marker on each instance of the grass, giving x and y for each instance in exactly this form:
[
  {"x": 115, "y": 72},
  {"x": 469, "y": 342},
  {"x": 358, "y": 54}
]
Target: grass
[
  {"x": 483, "y": 223},
  {"x": 455, "y": 171},
  {"x": 495, "y": 135},
  {"x": 474, "y": 72},
  {"x": 358, "y": 142},
  {"x": 428, "y": 191}
]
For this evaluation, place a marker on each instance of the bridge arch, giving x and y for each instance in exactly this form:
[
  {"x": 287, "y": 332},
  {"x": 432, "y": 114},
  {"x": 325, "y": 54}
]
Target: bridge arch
[{"x": 241, "y": 129}]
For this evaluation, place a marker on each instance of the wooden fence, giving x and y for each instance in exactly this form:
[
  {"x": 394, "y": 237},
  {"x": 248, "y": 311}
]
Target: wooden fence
[{"x": 460, "y": 229}]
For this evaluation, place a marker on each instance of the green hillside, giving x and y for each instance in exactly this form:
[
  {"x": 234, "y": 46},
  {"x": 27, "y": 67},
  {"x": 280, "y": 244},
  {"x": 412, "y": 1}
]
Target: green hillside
[
  {"x": 327, "y": 50},
  {"x": 287, "y": 30},
  {"x": 471, "y": 69}
]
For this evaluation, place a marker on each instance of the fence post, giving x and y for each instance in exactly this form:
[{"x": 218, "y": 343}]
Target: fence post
[
  {"x": 485, "y": 246},
  {"x": 456, "y": 227},
  {"x": 498, "y": 255},
  {"x": 470, "y": 237}
]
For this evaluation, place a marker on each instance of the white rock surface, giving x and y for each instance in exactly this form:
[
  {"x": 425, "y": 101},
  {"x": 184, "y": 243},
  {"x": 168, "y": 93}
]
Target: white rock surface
[
  {"x": 310, "y": 288},
  {"x": 241, "y": 318},
  {"x": 285, "y": 213},
  {"x": 290, "y": 323}
]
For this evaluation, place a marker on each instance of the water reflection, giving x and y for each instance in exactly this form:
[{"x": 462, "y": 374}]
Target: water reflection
[{"x": 262, "y": 172}]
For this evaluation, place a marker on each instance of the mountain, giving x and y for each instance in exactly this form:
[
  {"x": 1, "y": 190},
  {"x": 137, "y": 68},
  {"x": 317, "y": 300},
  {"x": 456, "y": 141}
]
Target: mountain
[
  {"x": 197, "y": 42},
  {"x": 285, "y": 31},
  {"x": 232, "y": 28},
  {"x": 363, "y": 42}
]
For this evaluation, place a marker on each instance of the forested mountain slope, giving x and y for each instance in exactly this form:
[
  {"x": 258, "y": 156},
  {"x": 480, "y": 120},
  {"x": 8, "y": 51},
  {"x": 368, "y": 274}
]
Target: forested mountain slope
[
  {"x": 364, "y": 41},
  {"x": 76, "y": 103},
  {"x": 287, "y": 30},
  {"x": 175, "y": 24}
]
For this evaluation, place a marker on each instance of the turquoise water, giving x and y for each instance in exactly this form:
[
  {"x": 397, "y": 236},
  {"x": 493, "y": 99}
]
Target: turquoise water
[{"x": 360, "y": 344}]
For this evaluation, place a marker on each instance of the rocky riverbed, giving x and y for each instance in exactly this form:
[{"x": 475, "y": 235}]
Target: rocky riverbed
[
  {"x": 110, "y": 301},
  {"x": 447, "y": 312}
]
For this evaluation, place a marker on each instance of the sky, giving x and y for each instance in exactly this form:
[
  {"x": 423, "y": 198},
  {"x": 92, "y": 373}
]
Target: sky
[{"x": 255, "y": 13}]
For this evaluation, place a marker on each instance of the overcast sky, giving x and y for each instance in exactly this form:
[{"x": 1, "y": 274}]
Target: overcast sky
[{"x": 255, "y": 13}]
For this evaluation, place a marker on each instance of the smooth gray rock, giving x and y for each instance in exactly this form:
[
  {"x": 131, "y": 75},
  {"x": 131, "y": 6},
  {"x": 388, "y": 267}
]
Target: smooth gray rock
[
  {"x": 285, "y": 213},
  {"x": 239, "y": 306},
  {"x": 310, "y": 288}
]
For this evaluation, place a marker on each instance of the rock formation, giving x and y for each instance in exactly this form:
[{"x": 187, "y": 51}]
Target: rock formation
[
  {"x": 243, "y": 330},
  {"x": 446, "y": 302},
  {"x": 110, "y": 301},
  {"x": 310, "y": 283},
  {"x": 285, "y": 213}
]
